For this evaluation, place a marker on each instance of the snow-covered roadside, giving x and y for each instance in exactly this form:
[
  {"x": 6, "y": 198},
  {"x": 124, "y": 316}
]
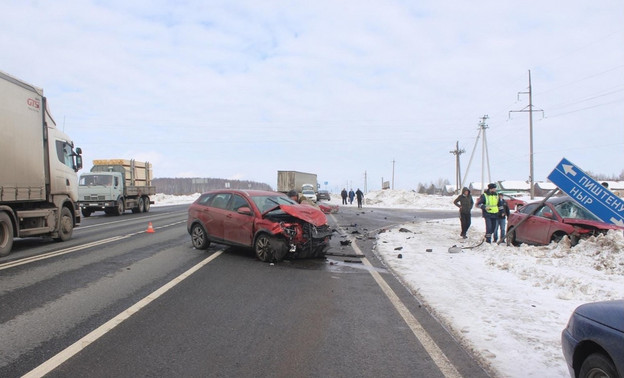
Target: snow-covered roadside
[{"x": 507, "y": 304}]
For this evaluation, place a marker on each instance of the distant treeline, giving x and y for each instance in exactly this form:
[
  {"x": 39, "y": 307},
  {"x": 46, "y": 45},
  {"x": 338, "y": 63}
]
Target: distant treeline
[{"x": 183, "y": 185}]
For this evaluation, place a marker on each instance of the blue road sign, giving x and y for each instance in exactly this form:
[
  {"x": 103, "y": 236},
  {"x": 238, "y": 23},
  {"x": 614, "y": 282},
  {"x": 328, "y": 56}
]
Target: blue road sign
[{"x": 588, "y": 192}]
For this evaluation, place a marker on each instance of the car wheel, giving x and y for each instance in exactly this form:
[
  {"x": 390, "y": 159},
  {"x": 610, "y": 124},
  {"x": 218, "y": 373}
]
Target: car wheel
[
  {"x": 557, "y": 237},
  {"x": 66, "y": 227},
  {"x": 86, "y": 213},
  {"x": 263, "y": 248},
  {"x": 199, "y": 237},
  {"x": 512, "y": 238},
  {"x": 597, "y": 365}
]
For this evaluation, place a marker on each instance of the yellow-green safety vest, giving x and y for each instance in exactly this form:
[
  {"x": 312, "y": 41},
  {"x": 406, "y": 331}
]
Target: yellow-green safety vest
[{"x": 491, "y": 203}]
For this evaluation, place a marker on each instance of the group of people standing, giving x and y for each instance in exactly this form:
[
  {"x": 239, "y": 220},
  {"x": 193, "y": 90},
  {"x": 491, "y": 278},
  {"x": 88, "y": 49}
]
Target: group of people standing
[
  {"x": 495, "y": 212},
  {"x": 351, "y": 194}
]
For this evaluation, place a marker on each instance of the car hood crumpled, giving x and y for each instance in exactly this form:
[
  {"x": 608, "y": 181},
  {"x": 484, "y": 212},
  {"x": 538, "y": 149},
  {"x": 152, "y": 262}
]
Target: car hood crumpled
[
  {"x": 306, "y": 213},
  {"x": 591, "y": 223}
]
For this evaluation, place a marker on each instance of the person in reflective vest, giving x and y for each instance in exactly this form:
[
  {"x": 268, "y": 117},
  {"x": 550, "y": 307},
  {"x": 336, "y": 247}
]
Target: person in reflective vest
[{"x": 488, "y": 202}]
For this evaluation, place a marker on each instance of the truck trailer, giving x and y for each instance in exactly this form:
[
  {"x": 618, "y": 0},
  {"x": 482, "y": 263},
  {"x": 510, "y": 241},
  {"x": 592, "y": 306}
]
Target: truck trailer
[
  {"x": 301, "y": 182},
  {"x": 116, "y": 185},
  {"x": 38, "y": 165}
]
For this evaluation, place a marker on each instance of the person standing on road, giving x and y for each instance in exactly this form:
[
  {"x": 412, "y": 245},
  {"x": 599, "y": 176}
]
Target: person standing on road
[
  {"x": 501, "y": 221},
  {"x": 465, "y": 203},
  {"x": 488, "y": 202},
  {"x": 360, "y": 197},
  {"x": 343, "y": 194},
  {"x": 351, "y": 196}
]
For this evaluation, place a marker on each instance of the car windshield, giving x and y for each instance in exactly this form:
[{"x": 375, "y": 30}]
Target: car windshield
[
  {"x": 570, "y": 209},
  {"x": 266, "y": 203}
]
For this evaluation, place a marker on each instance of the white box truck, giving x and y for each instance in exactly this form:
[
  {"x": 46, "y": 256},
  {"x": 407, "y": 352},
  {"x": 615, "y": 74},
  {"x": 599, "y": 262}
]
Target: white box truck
[
  {"x": 38, "y": 165},
  {"x": 116, "y": 185},
  {"x": 301, "y": 182}
]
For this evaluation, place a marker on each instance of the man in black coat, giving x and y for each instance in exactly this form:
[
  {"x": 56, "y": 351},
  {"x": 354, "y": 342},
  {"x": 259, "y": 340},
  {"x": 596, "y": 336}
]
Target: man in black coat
[{"x": 465, "y": 203}]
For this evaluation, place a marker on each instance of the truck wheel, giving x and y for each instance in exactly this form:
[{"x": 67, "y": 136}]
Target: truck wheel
[
  {"x": 66, "y": 226},
  {"x": 86, "y": 213},
  {"x": 146, "y": 204},
  {"x": 139, "y": 208},
  {"x": 6, "y": 234},
  {"x": 119, "y": 209}
]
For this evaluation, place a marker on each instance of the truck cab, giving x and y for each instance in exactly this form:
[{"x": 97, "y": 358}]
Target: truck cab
[{"x": 101, "y": 191}]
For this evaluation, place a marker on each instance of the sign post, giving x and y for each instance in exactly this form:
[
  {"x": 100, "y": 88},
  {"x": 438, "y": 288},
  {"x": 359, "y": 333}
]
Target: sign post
[{"x": 588, "y": 192}]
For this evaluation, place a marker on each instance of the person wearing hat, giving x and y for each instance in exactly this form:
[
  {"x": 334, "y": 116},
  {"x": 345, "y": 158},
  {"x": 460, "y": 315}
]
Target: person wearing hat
[
  {"x": 464, "y": 202},
  {"x": 488, "y": 202}
]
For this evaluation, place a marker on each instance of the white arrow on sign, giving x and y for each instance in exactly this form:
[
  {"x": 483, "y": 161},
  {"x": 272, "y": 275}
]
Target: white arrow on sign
[
  {"x": 617, "y": 222},
  {"x": 569, "y": 169}
]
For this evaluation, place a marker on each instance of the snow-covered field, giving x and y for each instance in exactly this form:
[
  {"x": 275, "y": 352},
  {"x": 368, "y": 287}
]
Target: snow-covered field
[{"x": 507, "y": 304}]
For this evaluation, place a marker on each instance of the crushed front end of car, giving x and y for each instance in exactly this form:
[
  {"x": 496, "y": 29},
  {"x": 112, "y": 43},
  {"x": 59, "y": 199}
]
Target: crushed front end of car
[{"x": 298, "y": 232}]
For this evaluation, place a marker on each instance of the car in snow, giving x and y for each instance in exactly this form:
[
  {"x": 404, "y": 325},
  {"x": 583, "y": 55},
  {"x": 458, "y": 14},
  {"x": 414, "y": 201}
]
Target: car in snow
[
  {"x": 593, "y": 341},
  {"x": 323, "y": 195},
  {"x": 543, "y": 222},
  {"x": 514, "y": 201},
  {"x": 270, "y": 223}
]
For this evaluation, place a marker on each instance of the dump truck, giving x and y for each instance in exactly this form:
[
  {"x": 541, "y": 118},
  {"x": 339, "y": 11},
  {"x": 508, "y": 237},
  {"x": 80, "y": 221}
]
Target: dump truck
[
  {"x": 38, "y": 165},
  {"x": 116, "y": 185},
  {"x": 297, "y": 181}
]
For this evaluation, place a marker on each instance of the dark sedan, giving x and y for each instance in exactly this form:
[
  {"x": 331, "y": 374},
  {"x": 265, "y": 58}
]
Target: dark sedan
[
  {"x": 269, "y": 222},
  {"x": 593, "y": 341},
  {"x": 552, "y": 220},
  {"x": 323, "y": 195}
]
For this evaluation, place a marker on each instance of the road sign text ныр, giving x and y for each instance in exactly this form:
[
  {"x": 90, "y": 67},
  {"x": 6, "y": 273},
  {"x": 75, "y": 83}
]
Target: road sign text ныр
[{"x": 588, "y": 192}]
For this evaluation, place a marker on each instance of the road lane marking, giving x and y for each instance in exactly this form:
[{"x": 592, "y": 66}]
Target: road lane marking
[
  {"x": 81, "y": 344},
  {"x": 437, "y": 355},
  {"x": 77, "y": 248}
]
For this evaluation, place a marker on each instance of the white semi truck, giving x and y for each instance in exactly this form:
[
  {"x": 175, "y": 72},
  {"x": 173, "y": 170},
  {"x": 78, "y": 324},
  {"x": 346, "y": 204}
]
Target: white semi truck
[
  {"x": 38, "y": 165},
  {"x": 116, "y": 185}
]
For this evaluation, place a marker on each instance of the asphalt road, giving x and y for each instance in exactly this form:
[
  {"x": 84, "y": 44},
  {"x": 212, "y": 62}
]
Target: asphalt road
[{"x": 117, "y": 301}]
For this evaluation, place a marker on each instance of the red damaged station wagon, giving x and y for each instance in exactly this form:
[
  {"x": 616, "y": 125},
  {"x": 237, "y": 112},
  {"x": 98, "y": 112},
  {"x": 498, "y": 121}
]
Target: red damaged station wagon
[{"x": 270, "y": 223}]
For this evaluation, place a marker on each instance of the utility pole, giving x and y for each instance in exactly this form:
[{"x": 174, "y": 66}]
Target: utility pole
[
  {"x": 530, "y": 110},
  {"x": 457, "y": 152},
  {"x": 484, "y": 155},
  {"x": 365, "y": 182}
]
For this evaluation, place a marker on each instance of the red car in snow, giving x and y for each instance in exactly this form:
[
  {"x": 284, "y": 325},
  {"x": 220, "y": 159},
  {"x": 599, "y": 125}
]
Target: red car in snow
[
  {"x": 269, "y": 222},
  {"x": 552, "y": 220}
]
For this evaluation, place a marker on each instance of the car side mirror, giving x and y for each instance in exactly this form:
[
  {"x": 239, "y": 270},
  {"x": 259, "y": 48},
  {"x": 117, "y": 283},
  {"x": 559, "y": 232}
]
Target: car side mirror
[
  {"x": 548, "y": 215},
  {"x": 245, "y": 210}
]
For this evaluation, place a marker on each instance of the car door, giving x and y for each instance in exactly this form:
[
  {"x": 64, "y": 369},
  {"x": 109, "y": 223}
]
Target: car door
[
  {"x": 535, "y": 230},
  {"x": 238, "y": 228},
  {"x": 215, "y": 214}
]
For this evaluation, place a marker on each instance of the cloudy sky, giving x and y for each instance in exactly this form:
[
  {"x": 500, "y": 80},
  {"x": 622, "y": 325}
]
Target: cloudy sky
[{"x": 345, "y": 89}]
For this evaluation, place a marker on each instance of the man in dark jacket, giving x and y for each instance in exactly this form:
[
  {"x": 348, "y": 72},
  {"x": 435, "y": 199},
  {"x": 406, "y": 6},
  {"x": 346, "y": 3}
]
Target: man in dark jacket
[
  {"x": 488, "y": 202},
  {"x": 360, "y": 197},
  {"x": 465, "y": 203},
  {"x": 343, "y": 194},
  {"x": 501, "y": 221}
]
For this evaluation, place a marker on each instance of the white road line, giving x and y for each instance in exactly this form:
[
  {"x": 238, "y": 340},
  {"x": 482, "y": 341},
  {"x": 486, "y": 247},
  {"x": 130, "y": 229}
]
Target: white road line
[
  {"x": 79, "y": 345},
  {"x": 77, "y": 248},
  {"x": 438, "y": 357}
]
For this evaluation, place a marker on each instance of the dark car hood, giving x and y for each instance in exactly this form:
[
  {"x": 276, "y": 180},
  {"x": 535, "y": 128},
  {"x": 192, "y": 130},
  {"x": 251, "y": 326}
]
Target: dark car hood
[
  {"x": 591, "y": 223},
  {"x": 609, "y": 313},
  {"x": 306, "y": 213}
]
